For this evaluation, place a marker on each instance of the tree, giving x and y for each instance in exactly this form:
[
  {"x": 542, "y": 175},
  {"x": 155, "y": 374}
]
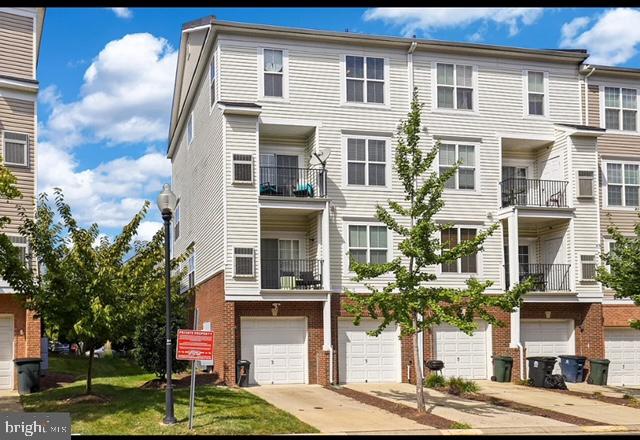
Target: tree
[
  {"x": 411, "y": 300},
  {"x": 620, "y": 270},
  {"x": 89, "y": 292}
]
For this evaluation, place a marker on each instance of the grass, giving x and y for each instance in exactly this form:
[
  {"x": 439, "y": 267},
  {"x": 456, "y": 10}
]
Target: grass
[
  {"x": 460, "y": 425},
  {"x": 131, "y": 410}
]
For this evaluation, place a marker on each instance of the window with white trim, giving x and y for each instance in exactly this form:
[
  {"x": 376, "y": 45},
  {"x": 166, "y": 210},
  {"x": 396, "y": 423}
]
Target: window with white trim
[
  {"x": 585, "y": 184},
  {"x": 450, "y": 238},
  {"x": 22, "y": 245},
  {"x": 587, "y": 267},
  {"x": 365, "y": 79},
  {"x": 244, "y": 262},
  {"x": 212, "y": 80},
  {"x": 16, "y": 149},
  {"x": 273, "y": 72},
  {"x": 535, "y": 93},
  {"x": 243, "y": 168},
  {"x": 465, "y": 176},
  {"x": 454, "y": 86},
  {"x": 191, "y": 271},
  {"x": 620, "y": 108},
  {"x": 190, "y": 129},
  {"x": 623, "y": 184},
  {"x": 176, "y": 221},
  {"x": 366, "y": 162},
  {"x": 368, "y": 243}
]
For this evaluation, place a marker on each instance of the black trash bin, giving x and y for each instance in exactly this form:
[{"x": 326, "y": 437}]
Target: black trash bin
[
  {"x": 28, "y": 375},
  {"x": 539, "y": 368},
  {"x": 502, "y": 366},
  {"x": 572, "y": 367},
  {"x": 242, "y": 372}
]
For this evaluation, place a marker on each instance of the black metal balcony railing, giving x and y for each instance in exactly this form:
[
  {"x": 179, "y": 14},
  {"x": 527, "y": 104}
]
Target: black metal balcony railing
[
  {"x": 546, "y": 277},
  {"x": 293, "y": 182},
  {"x": 291, "y": 274},
  {"x": 533, "y": 192}
]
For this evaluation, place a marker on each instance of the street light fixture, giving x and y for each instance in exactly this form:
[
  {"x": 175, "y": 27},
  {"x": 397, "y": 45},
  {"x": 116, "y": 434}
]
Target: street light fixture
[{"x": 166, "y": 205}]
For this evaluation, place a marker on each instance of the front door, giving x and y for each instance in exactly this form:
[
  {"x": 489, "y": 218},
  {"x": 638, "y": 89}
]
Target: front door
[
  {"x": 287, "y": 173},
  {"x": 269, "y": 263}
]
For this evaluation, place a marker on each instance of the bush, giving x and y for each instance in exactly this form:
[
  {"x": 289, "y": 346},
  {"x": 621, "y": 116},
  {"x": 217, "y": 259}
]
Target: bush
[
  {"x": 435, "y": 381},
  {"x": 458, "y": 385},
  {"x": 460, "y": 425},
  {"x": 525, "y": 382}
]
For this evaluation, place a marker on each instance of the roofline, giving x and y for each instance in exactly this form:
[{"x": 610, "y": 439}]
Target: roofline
[
  {"x": 41, "y": 14},
  {"x": 571, "y": 55},
  {"x": 613, "y": 70}
]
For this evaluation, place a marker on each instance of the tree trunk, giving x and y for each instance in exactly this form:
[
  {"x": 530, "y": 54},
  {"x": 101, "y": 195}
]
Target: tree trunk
[
  {"x": 417, "y": 362},
  {"x": 89, "y": 371}
]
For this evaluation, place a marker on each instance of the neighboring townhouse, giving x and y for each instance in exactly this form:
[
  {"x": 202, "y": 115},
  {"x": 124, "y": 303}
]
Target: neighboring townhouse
[
  {"x": 20, "y": 35},
  {"x": 612, "y": 104},
  {"x": 282, "y": 142}
]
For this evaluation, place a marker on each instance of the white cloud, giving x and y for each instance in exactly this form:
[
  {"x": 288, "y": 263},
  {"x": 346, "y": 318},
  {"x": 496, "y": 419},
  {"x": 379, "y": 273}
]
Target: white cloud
[
  {"x": 122, "y": 12},
  {"x": 125, "y": 96},
  {"x": 611, "y": 39},
  {"x": 147, "y": 230},
  {"x": 431, "y": 19}
]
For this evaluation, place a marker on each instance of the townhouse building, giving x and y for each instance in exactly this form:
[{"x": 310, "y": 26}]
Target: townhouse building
[
  {"x": 20, "y": 35},
  {"x": 282, "y": 143}
]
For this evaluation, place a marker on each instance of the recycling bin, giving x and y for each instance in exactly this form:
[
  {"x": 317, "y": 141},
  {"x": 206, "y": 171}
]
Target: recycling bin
[
  {"x": 599, "y": 371},
  {"x": 242, "y": 372},
  {"x": 502, "y": 366},
  {"x": 28, "y": 375},
  {"x": 572, "y": 367},
  {"x": 539, "y": 368}
]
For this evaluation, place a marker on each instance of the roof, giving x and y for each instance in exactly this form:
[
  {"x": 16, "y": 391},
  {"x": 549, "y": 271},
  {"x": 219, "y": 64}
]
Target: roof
[
  {"x": 240, "y": 104},
  {"x": 583, "y": 127},
  {"x": 614, "y": 71}
]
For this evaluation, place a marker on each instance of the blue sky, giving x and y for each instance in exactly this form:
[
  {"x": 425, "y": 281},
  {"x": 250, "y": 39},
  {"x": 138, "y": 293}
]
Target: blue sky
[{"x": 103, "y": 127}]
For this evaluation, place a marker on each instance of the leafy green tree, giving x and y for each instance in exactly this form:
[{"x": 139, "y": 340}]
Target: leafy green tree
[
  {"x": 411, "y": 300},
  {"x": 620, "y": 270}
]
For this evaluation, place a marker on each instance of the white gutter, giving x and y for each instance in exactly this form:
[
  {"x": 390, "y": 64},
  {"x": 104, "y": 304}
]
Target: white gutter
[
  {"x": 521, "y": 350},
  {"x": 412, "y": 48},
  {"x": 586, "y": 89}
]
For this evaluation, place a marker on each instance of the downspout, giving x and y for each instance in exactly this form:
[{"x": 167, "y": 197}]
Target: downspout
[{"x": 586, "y": 90}]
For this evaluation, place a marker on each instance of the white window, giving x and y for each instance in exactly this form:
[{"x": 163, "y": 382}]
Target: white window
[
  {"x": 21, "y": 244},
  {"x": 367, "y": 162},
  {"x": 454, "y": 86},
  {"x": 620, "y": 108},
  {"x": 16, "y": 149},
  {"x": 368, "y": 243},
  {"x": 365, "y": 78},
  {"x": 191, "y": 271},
  {"x": 585, "y": 184},
  {"x": 190, "y": 129},
  {"x": 212, "y": 81},
  {"x": 274, "y": 66},
  {"x": 244, "y": 262},
  {"x": 176, "y": 221},
  {"x": 243, "y": 168},
  {"x": 587, "y": 267},
  {"x": 465, "y": 176},
  {"x": 623, "y": 184},
  {"x": 450, "y": 238},
  {"x": 536, "y": 93}
]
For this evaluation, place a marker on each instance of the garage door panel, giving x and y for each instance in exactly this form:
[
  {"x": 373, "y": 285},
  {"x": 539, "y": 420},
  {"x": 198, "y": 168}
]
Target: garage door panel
[
  {"x": 6, "y": 352},
  {"x": 622, "y": 348},
  {"x": 548, "y": 338},
  {"x": 463, "y": 355}
]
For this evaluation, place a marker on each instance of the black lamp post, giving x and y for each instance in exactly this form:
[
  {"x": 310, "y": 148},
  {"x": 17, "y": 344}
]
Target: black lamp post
[{"x": 166, "y": 204}]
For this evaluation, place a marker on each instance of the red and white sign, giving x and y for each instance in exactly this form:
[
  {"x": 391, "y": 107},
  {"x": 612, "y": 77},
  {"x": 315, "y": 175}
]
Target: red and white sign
[{"x": 194, "y": 345}]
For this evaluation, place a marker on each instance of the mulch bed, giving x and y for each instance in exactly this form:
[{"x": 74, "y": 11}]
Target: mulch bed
[
  {"x": 85, "y": 398},
  {"x": 55, "y": 380},
  {"x": 182, "y": 380},
  {"x": 632, "y": 403},
  {"x": 395, "y": 408},
  {"x": 531, "y": 410}
]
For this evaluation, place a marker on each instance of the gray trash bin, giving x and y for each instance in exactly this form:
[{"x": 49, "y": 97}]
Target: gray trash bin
[
  {"x": 242, "y": 372},
  {"x": 28, "y": 375}
]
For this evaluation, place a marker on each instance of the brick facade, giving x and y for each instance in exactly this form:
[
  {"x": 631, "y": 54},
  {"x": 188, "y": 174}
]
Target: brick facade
[
  {"x": 616, "y": 315},
  {"x": 26, "y": 329}
]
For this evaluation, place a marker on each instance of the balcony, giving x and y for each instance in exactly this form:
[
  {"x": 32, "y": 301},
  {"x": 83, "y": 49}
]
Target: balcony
[
  {"x": 546, "y": 277},
  {"x": 293, "y": 182},
  {"x": 291, "y": 274},
  {"x": 533, "y": 193}
]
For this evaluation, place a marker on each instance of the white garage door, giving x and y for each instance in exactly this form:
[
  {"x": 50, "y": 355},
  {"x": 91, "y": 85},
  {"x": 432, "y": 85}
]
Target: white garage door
[
  {"x": 622, "y": 348},
  {"x": 548, "y": 338},
  {"x": 276, "y": 348},
  {"x": 368, "y": 359},
  {"x": 6, "y": 352},
  {"x": 463, "y": 355}
]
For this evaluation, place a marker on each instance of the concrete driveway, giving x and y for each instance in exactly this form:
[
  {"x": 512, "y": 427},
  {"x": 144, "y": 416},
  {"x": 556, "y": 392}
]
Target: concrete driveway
[
  {"x": 476, "y": 414},
  {"x": 330, "y": 412},
  {"x": 576, "y": 406},
  {"x": 606, "y": 390},
  {"x": 10, "y": 401}
]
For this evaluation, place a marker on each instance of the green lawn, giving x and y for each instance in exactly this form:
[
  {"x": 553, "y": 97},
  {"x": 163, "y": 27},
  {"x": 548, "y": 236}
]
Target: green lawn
[{"x": 131, "y": 410}]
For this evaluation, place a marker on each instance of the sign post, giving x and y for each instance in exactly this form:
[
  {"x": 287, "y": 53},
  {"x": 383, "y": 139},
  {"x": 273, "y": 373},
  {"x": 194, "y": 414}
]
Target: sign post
[{"x": 194, "y": 345}]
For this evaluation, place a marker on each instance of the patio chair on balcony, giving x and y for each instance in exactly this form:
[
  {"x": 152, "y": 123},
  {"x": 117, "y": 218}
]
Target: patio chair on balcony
[
  {"x": 539, "y": 283},
  {"x": 267, "y": 189},
  {"x": 308, "y": 280},
  {"x": 555, "y": 199},
  {"x": 302, "y": 190}
]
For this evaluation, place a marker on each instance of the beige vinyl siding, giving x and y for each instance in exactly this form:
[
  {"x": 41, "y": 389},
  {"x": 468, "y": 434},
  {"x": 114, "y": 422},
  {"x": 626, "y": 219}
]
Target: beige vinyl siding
[
  {"x": 195, "y": 40},
  {"x": 594, "y": 106},
  {"x": 17, "y": 115},
  {"x": 16, "y": 45}
]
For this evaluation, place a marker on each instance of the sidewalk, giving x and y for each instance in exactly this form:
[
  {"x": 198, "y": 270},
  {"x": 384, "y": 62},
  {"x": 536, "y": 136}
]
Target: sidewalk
[{"x": 10, "y": 401}]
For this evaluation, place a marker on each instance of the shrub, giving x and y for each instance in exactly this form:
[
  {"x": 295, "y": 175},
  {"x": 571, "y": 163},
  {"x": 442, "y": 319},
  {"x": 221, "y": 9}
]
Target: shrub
[
  {"x": 458, "y": 385},
  {"x": 460, "y": 425},
  {"x": 435, "y": 381},
  {"x": 525, "y": 382}
]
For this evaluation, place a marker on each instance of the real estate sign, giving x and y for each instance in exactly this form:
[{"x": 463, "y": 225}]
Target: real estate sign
[{"x": 194, "y": 345}]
